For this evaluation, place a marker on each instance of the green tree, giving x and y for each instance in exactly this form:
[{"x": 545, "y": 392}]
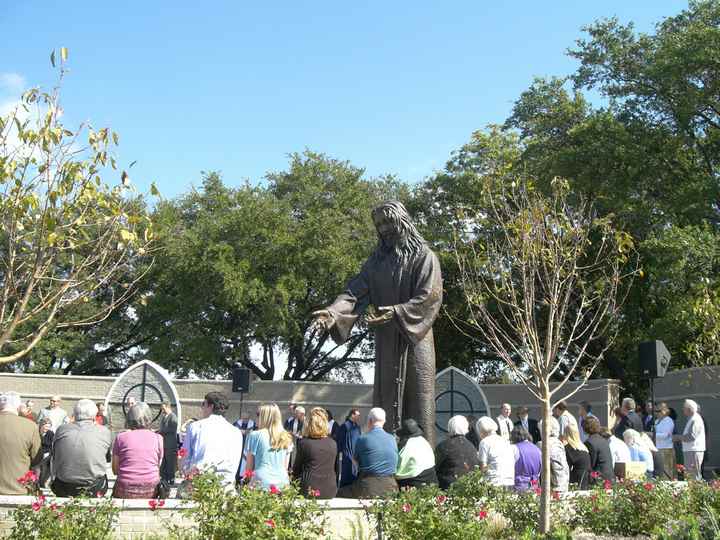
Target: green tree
[
  {"x": 67, "y": 238},
  {"x": 242, "y": 269}
]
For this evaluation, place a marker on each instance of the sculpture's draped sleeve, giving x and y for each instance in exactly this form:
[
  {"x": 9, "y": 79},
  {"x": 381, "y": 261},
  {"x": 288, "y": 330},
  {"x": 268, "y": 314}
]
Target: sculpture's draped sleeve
[
  {"x": 349, "y": 306},
  {"x": 416, "y": 316}
]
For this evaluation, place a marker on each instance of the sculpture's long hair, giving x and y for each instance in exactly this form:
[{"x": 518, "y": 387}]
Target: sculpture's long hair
[{"x": 410, "y": 242}]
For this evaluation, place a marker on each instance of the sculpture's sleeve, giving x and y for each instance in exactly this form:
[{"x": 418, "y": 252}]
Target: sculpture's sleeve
[
  {"x": 347, "y": 308},
  {"x": 416, "y": 316}
]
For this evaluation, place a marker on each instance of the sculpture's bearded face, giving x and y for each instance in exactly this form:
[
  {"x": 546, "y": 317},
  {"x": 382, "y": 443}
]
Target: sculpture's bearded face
[{"x": 388, "y": 231}]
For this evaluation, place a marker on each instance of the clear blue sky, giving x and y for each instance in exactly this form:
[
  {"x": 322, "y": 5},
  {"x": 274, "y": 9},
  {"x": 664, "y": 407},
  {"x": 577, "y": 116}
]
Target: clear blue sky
[{"x": 235, "y": 86}]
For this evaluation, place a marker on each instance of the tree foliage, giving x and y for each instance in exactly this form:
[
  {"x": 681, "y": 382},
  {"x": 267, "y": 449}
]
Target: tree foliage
[{"x": 67, "y": 238}]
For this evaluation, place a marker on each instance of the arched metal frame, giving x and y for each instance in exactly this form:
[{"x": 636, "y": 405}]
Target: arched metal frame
[{"x": 459, "y": 409}]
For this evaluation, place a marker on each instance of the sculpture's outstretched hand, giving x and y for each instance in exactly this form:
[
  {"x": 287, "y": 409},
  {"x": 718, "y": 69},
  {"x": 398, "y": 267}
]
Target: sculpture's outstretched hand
[
  {"x": 379, "y": 317},
  {"x": 323, "y": 320}
]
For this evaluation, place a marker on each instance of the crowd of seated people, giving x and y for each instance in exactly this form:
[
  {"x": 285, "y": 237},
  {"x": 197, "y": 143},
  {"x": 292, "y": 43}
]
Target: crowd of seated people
[{"x": 71, "y": 452}]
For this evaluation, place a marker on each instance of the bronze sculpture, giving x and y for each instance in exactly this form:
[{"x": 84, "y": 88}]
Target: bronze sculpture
[{"x": 399, "y": 289}]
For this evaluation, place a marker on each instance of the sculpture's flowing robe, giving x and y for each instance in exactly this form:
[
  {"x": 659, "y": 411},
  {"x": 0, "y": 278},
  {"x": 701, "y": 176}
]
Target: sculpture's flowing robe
[{"x": 413, "y": 288}]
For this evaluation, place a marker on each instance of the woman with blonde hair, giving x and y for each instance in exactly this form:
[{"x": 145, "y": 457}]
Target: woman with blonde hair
[
  {"x": 316, "y": 457},
  {"x": 578, "y": 457},
  {"x": 267, "y": 452}
]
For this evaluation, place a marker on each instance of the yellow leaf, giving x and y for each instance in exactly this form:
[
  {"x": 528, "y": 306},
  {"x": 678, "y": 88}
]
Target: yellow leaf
[
  {"x": 126, "y": 235},
  {"x": 154, "y": 190},
  {"x": 64, "y": 54}
]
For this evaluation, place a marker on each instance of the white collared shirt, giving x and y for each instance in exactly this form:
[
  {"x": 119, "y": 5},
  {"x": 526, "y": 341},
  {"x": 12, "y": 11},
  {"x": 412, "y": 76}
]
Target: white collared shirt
[
  {"x": 506, "y": 426},
  {"x": 694, "y": 432},
  {"x": 213, "y": 443}
]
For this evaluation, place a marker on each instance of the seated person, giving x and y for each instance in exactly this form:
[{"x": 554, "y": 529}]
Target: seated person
[
  {"x": 416, "y": 467},
  {"x": 212, "y": 442},
  {"x": 268, "y": 450},
  {"x": 376, "y": 456},
  {"x": 559, "y": 470},
  {"x": 455, "y": 456},
  {"x": 600, "y": 449},
  {"x": 638, "y": 451},
  {"x": 316, "y": 460},
  {"x": 528, "y": 458},
  {"x": 496, "y": 456},
  {"x": 136, "y": 456},
  {"x": 80, "y": 453}
]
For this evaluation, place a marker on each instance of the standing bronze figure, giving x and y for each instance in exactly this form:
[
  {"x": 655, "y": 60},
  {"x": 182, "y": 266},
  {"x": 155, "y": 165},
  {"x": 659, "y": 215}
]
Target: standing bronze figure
[{"x": 399, "y": 289}]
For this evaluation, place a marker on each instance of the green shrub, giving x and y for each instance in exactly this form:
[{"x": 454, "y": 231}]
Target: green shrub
[
  {"x": 219, "y": 514},
  {"x": 78, "y": 519}
]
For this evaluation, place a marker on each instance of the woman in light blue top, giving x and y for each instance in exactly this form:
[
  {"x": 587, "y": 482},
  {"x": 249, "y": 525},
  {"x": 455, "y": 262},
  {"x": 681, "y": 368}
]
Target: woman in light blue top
[
  {"x": 268, "y": 450},
  {"x": 638, "y": 450}
]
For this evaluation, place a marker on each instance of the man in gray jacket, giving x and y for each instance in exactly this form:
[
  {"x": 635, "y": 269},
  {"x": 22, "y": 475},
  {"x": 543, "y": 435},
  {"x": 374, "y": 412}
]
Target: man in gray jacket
[{"x": 80, "y": 454}]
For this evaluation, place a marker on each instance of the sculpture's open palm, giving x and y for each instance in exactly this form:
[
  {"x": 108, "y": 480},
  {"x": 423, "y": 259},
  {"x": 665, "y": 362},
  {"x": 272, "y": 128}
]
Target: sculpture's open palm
[{"x": 323, "y": 320}]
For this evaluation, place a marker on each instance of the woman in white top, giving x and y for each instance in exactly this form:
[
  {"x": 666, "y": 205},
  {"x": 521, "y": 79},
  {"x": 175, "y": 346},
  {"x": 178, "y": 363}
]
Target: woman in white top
[
  {"x": 664, "y": 427},
  {"x": 496, "y": 455}
]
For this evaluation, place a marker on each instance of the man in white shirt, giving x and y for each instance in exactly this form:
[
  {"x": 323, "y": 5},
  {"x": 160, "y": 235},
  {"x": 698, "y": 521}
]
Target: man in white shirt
[
  {"x": 564, "y": 418},
  {"x": 693, "y": 441},
  {"x": 664, "y": 427},
  {"x": 212, "y": 442},
  {"x": 495, "y": 454},
  {"x": 505, "y": 425},
  {"x": 56, "y": 414}
]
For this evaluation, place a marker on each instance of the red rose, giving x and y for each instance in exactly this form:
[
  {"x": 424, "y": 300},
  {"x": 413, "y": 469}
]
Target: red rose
[
  {"x": 482, "y": 514},
  {"x": 274, "y": 490},
  {"x": 648, "y": 486},
  {"x": 680, "y": 467},
  {"x": 607, "y": 484},
  {"x": 182, "y": 453},
  {"x": 314, "y": 492},
  {"x": 595, "y": 475},
  {"x": 36, "y": 506},
  {"x": 247, "y": 475},
  {"x": 533, "y": 482},
  {"x": 556, "y": 495},
  {"x": 153, "y": 504},
  {"x": 270, "y": 523},
  {"x": 406, "y": 507},
  {"x": 538, "y": 491},
  {"x": 440, "y": 499}
]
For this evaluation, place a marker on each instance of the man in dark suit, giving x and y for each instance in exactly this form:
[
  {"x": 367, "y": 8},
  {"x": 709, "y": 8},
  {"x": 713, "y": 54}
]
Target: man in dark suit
[
  {"x": 168, "y": 430},
  {"x": 529, "y": 424},
  {"x": 629, "y": 419}
]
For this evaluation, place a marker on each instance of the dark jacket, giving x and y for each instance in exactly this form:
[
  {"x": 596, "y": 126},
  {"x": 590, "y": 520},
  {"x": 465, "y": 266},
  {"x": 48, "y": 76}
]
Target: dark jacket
[
  {"x": 533, "y": 428},
  {"x": 600, "y": 456},
  {"x": 631, "y": 421},
  {"x": 454, "y": 457},
  {"x": 316, "y": 466},
  {"x": 579, "y": 464}
]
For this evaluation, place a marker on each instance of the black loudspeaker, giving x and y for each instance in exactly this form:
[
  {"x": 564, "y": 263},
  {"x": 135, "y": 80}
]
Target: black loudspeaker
[
  {"x": 240, "y": 379},
  {"x": 654, "y": 359}
]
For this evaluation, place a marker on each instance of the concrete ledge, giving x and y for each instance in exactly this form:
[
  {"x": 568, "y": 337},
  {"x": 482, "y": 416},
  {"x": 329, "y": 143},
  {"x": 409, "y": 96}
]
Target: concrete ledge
[{"x": 137, "y": 519}]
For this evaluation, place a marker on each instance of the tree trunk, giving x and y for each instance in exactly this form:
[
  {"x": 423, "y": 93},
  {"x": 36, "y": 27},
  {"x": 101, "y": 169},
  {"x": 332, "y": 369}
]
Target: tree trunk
[{"x": 546, "y": 486}]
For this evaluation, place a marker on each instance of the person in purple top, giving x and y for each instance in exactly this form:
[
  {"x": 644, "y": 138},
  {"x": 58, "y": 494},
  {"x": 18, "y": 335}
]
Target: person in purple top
[{"x": 528, "y": 459}]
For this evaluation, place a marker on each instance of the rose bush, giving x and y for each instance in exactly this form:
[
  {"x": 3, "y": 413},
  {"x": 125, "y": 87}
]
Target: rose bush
[{"x": 78, "y": 519}]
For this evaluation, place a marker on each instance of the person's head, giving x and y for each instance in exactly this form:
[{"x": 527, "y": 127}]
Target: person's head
[
  {"x": 409, "y": 428},
  {"x": 648, "y": 407},
  {"x": 316, "y": 424},
  {"x": 166, "y": 408},
  {"x": 30, "y": 404},
  {"x": 559, "y": 409},
  {"x": 505, "y": 410},
  {"x": 631, "y": 437},
  {"x": 85, "y": 409},
  {"x": 690, "y": 407},
  {"x": 214, "y": 403},
  {"x": 101, "y": 407},
  {"x": 354, "y": 416},
  {"x": 485, "y": 426},
  {"x": 457, "y": 425},
  {"x": 672, "y": 413},
  {"x": 553, "y": 426},
  {"x": 291, "y": 409},
  {"x": 571, "y": 437},
  {"x": 139, "y": 416},
  {"x": 54, "y": 402},
  {"x": 591, "y": 425},
  {"x": 661, "y": 410},
  {"x": 23, "y": 410},
  {"x": 300, "y": 414},
  {"x": 45, "y": 426},
  {"x": 520, "y": 434},
  {"x": 584, "y": 408},
  {"x": 396, "y": 232},
  {"x": 270, "y": 419},
  {"x": 376, "y": 418},
  {"x": 522, "y": 413},
  {"x": 628, "y": 405},
  {"x": 130, "y": 402},
  {"x": 329, "y": 414},
  {"x": 10, "y": 402},
  {"x": 617, "y": 413}
]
